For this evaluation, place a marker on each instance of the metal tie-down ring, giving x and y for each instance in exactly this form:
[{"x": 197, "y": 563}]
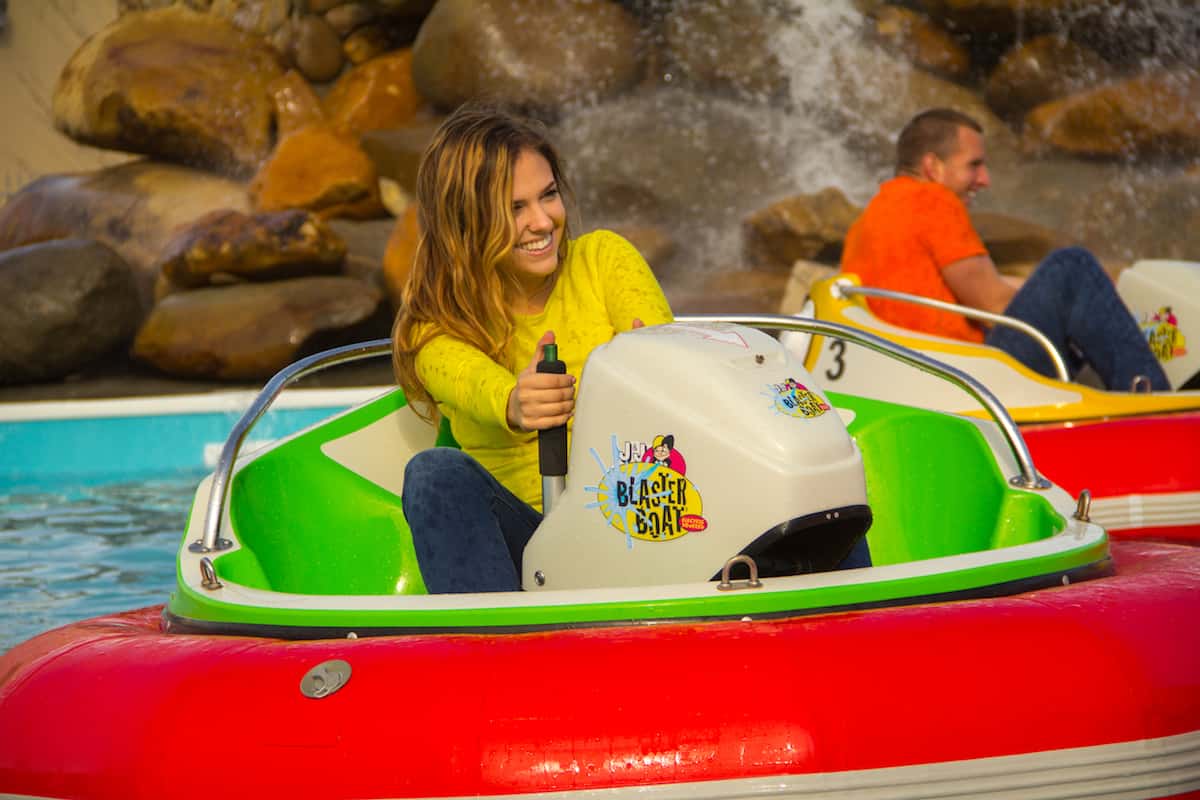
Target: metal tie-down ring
[{"x": 727, "y": 585}]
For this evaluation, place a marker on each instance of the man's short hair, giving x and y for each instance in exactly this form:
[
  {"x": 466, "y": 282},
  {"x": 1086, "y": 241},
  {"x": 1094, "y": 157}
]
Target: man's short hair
[{"x": 932, "y": 131}]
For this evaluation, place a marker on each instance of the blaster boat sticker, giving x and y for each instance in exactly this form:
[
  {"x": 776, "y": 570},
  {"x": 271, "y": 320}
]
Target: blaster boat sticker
[
  {"x": 662, "y": 452},
  {"x": 1163, "y": 334},
  {"x": 645, "y": 493},
  {"x": 795, "y": 399}
]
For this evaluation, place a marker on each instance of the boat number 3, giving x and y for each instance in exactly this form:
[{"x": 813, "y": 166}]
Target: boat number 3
[{"x": 838, "y": 347}]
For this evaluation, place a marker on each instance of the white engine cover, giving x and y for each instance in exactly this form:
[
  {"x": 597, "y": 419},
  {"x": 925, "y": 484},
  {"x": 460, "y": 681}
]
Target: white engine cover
[
  {"x": 748, "y": 442},
  {"x": 1164, "y": 296}
]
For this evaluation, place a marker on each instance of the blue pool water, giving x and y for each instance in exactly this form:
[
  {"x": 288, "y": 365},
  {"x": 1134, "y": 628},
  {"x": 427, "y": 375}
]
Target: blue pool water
[
  {"x": 72, "y": 552},
  {"x": 94, "y": 498}
]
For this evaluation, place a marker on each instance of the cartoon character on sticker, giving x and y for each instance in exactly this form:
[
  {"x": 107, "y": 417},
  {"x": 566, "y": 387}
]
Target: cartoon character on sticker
[
  {"x": 795, "y": 399},
  {"x": 662, "y": 452},
  {"x": 1163, "y": 335},
  {"x": 650, "y": 499}
]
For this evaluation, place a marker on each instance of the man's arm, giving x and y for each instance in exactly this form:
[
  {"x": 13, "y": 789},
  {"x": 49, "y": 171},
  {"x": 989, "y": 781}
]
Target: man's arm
[{"x": 976, "y": 283}]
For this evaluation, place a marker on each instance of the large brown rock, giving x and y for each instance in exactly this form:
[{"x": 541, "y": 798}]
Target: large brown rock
[
  {"x": 320, "y": 169},
  {"x": 269, "y": 246},
  {"x": 296, "y": 104},
  {"x": 1153, "y": 114},
  {"x": 377, "y": 94},
  {"x": 514, "y": 51},
  {"x": 173, "y": 83},
  {"x": 63, "y": 305},
  {"x": 1040, "y": 70},
  {"x": 804, "y": 227},
  {"x": 726, "y": 46},
  {"x": 251, "y": 331},
  {"x": 1006, "y": 17},
  {"x": 133, "y": 208},
  {"x": 922, "y": 41},
  {"x": 396, "y": 152}
]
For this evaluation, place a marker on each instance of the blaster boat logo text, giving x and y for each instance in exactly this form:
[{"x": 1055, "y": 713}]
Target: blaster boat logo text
[
  {"x": 645, "y": 493},
  {"x": 1163, "y": 335},
  {"x": 795, "y": 399}
]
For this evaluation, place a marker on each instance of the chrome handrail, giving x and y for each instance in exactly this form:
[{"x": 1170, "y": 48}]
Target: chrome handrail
[
  {"x": 1028, "y": 479},
  {"x": 1060, "y": 367},
  {"x": 219, "y": 492},
  {"x": 222, "y": 474}
]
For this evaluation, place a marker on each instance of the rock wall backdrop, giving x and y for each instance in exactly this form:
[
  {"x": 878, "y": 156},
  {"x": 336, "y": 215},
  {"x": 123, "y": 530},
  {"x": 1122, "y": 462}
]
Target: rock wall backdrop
[{"x": 213, "y": 188}]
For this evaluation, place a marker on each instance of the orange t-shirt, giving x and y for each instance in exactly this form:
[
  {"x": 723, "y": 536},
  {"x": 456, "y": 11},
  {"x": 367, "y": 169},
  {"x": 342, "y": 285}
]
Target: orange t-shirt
[{"x": 906, "y": 235}]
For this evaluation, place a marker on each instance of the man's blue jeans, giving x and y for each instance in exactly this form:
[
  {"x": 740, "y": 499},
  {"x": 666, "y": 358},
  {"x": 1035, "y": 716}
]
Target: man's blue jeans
[
  {"x": 469, "y": 532},
  {"x": 1073, "y": 302}
]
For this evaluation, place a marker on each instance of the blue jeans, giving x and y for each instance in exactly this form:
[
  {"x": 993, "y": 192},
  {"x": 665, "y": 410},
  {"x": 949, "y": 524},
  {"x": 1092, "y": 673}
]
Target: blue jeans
[
  {"x": 469, "y": 532},
  {"x": 1073, "y": 302},
  {"x": 859, "y": 556}
]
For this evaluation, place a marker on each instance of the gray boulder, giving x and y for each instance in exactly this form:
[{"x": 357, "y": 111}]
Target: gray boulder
[{"x": 63, "y": 305}]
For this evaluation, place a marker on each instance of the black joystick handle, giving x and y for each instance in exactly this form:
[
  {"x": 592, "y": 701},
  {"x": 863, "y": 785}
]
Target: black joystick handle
[{"x": 552, "y": 442}]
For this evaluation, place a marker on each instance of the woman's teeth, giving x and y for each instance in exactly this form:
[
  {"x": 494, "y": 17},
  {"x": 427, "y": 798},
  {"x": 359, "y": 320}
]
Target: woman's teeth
[{"x": 540, "y": 244}]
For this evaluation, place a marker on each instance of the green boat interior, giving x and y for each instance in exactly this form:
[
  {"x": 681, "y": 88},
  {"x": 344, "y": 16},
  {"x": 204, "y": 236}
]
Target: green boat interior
[
  {"x": 934, "y": 487},
  {"x": 307, "y": 537}
]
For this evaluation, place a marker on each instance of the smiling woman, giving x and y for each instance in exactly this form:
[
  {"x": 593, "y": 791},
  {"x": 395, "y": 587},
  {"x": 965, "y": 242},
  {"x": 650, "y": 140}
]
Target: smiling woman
[
  {"x": 539, "y": 217},
  {"x": 496, "y": 279}
]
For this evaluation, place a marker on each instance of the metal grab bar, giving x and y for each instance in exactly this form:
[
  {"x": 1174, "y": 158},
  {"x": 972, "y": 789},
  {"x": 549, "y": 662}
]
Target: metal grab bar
[
  {"x": 222, "y": 474},
  {"x": 219, "y": 491},
  {"x": 1060, "y": 367},
  {"x": 1029, "y": 477}
]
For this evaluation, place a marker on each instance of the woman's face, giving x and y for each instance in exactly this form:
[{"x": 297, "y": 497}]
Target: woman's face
[{"x": 539, "y": 215}]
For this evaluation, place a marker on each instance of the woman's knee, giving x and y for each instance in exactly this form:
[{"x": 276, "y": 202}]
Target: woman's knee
[
  {"x": 436, "y": 460},
  {"x": 1073, "y": 262},
  {"x": 437, "y": 470}
]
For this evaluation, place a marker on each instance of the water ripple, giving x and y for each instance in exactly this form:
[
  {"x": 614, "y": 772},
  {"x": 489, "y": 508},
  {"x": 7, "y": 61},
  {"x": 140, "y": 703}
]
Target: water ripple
[{"x": 70, "y": 553}]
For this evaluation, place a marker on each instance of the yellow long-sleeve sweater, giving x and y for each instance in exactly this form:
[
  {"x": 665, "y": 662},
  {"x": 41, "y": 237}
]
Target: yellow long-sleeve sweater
[{"x": 603, "y": 285}]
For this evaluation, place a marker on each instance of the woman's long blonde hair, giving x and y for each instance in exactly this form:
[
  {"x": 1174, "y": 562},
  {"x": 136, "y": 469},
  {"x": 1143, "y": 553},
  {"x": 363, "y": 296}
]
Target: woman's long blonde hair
[{"x": 457, "y": 285}]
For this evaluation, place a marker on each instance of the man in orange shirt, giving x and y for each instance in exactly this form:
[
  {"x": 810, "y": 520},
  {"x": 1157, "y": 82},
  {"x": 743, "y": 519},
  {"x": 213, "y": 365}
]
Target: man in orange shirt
[{"x": 915, "y": 236}]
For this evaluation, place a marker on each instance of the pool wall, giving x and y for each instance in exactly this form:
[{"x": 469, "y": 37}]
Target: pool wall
[{"x": 91, "y": 441}]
